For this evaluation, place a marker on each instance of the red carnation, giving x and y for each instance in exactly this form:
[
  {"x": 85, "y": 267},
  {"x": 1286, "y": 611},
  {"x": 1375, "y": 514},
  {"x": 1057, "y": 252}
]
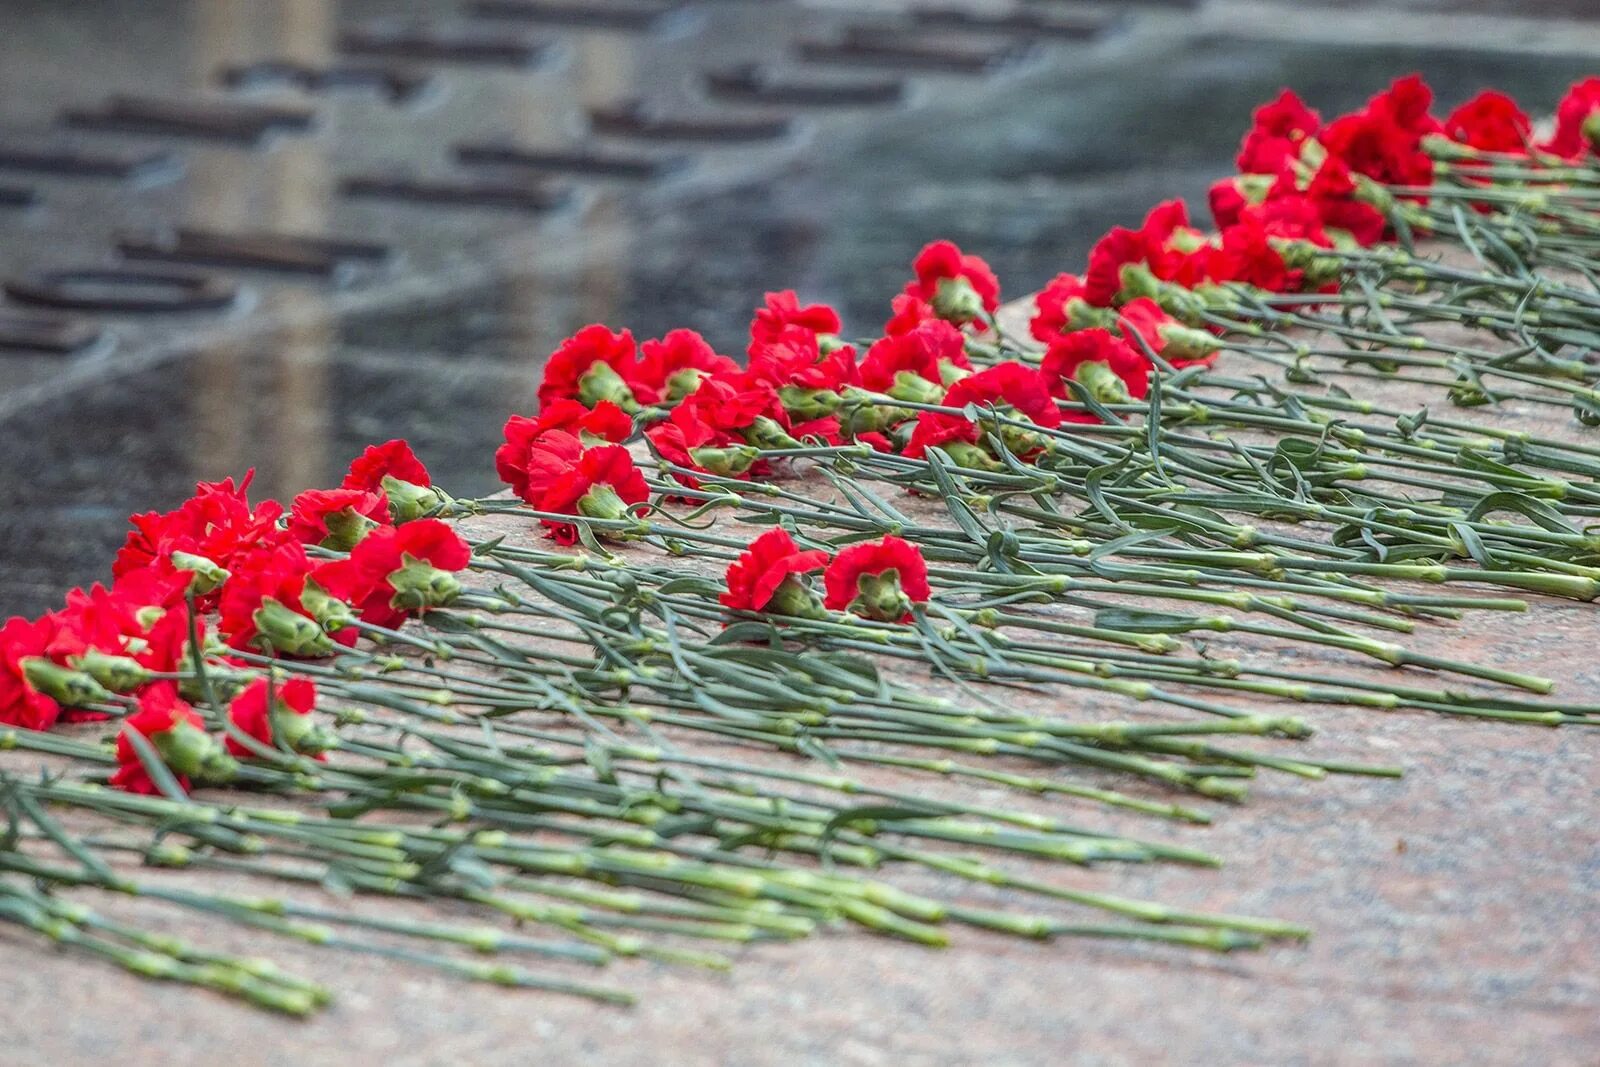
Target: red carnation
[
  {"x": 1004, "y": 385},
  {"x": 718, "y": 428},
  {"x": 767, "y": 577},
  {"x": 211, "y": 527},
  {"x": 178, "y": 734},
  {"x": 264, "y": 601},
  {"x": 880, "y": 580},
  {"x": 1333, "y": 191},
  {"x": 959, "y": 287},
  {"x": 336, "y": 518},
  {"x": 102, "y": 619},
  {"x": 1174, "y": 249},
  {"x": 1110, "y": 368},
  {"x": 1168, "y": 338},
  {"x": 1375, "y": 146},
  {"x": 674, "y": 366},
  {"x": 782, "y": 313},
  {"x": 289, "y": 719},
  {"x": 932, "y": 356},
  {"x": 1406, "y": 103},
  {"x": 398, "y": 570},
  {"x": 392, "y": 459},
  {"x": 1577, "y": 129},
  {"x": 1289, "y": 217},
  {"x": 907, "y": 313},
  {"x": 1102, "y": 281},
  {"x": 1278, "y": 132},
  {"x": 1384, "y": 140},
  {"x": 1010, "y": 384},
  {"x": 799, "y": 361},
  {"x": 1061, "y": 307},
  {"x": 1490, "y": 122},
  {"x": 599, "y": 483},
  {"x": 595, "y": 364},
  {"x": 1248, "y": 256},
  {"x": 606, "y": 422},
  {"x": 20, "y": 703},
  {"x": 166, "y": 647}
]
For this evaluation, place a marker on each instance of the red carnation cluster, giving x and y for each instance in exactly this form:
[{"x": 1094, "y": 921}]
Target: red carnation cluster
[
  {"x": 596, "y": 365},
  {"x": 880, "y": 580},
  {"x": 801, "y": 385},
  {"x": 1303, "y": 186},
  {"x": 273, "y": 588}
]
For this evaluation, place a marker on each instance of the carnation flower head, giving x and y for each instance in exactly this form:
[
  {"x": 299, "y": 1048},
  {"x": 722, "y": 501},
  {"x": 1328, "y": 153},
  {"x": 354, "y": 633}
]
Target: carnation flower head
[
  {"x": 766, "y": 577},
  {"x": 1490, "y": 122},
  {"x": 958, "y": 286},
  {"x": 878, "y": 579},
  {"x": 596, "y": 364},
  {"x": 782, "y": 315},
  {"x": 1278, "y": 131},
  {"x": 1111, "y": 369}
]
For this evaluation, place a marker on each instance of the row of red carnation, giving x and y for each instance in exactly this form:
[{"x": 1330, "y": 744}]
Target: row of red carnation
[
  {"x": 1303, "y": 184},
  {"x": 1304, "y": 187},
  {"x": 271, "y": 583}
]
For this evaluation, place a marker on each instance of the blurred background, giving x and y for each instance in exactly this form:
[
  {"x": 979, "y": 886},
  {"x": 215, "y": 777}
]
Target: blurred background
[{"x": 264, "y": 233}]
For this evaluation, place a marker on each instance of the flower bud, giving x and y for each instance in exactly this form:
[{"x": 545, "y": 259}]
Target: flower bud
[
  {"x": 957, "y": 301},
  {"x": 602, "y": 382},
  {"x": 1185, "y": 344},
  {"x": 1320, "y": 268},
  {"x": 419, "y": 585},
  {"x": 1591, "y": 130},
  {"x": 729, "y": 462},
  {"x": 1102, "y": 382},
  {"x": 330, "y": 612},
  {"x": 683, "y": 382},
  {"x": 602, "y": 502},
  {"x": 968, "y": 455},
  {"x": 795, "y": 598},
  {"x": 879, "y": 596},
  {"x": 915, "y": 389},
  {"x": 72, "y": 688},
  {"x": 226, "y": 682},
  {"x": 208, "y": 575},
  {"x": 192, "y": 752},
  {"x": 301, "y": 732},
  {"x": 808, "y": 404},
  {"x": 345, "y": 528},
  {"x": 408, "y": 500},
  {"x": 1082, "y": 315},
  {"x": 288, "y": 631},
  {"x": 120, "y": 674},
  {"x": 765, "y": 432}
]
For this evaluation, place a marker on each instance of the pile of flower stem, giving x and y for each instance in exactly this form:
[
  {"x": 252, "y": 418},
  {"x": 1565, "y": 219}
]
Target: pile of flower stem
[{"x": 585, "y": 759}]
